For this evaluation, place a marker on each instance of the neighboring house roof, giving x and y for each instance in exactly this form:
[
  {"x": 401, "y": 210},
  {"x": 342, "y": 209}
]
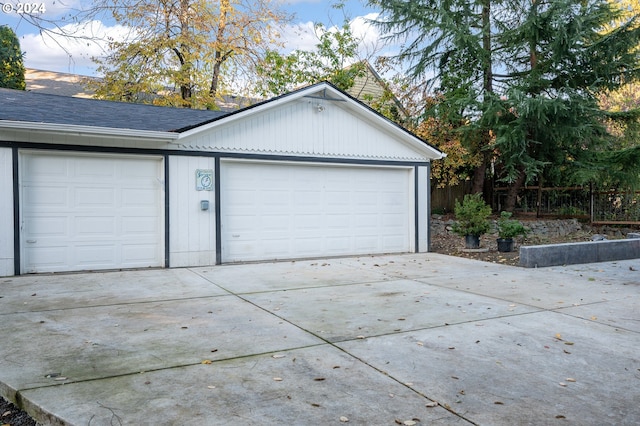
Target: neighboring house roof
[
  {"x": 53, "y": 109},
  {"x": 27, "y": 111},
  {"x": 371, "y": 85},
  {"x": 75, "y": 85},
  {"x": 58, "y": 83}
]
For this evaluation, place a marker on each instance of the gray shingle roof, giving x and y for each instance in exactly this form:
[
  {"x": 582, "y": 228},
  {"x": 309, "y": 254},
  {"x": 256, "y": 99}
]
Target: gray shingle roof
[{"x": 18, "y": 105}]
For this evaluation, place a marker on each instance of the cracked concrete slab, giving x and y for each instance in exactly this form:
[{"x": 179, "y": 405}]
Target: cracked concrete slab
[{"x": 369, "y": 339}]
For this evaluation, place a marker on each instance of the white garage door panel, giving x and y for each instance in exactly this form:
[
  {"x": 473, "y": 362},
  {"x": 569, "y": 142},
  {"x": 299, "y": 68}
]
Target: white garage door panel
[
  {"x": 278, "y": 211},
  {"x": 81, "y": 212}
]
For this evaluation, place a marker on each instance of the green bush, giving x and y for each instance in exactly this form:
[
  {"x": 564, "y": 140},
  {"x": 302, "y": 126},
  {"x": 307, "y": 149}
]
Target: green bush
[
  {"x": 509, "y": 228},
  {"x": 472, "y": 216}
]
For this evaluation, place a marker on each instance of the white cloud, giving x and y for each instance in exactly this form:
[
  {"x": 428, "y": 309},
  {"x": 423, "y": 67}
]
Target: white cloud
[
  {"x": 53, "y": 52},
  {"x": 302, "y": 36}
]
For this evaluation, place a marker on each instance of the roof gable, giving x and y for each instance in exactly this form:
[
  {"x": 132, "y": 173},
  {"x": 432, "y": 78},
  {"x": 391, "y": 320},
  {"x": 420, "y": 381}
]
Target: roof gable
[{"x": 336, "y": 123}]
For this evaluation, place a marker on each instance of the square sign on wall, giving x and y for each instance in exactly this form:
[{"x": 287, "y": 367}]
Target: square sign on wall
[{"x": 204, "y": 180}]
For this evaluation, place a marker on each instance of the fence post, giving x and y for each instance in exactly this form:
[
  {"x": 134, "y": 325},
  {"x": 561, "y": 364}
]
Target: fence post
[{"x": 591, "y": 203}]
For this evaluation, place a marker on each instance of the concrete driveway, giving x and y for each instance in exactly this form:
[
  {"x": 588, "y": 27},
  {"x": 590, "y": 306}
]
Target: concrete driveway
[{"x": 407, "y": 339}]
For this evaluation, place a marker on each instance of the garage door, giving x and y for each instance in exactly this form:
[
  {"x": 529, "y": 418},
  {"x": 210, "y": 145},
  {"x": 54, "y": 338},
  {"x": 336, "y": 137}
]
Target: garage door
[
  {"x": 90, "y": 212},
  {"x": 285, "y": 211}
]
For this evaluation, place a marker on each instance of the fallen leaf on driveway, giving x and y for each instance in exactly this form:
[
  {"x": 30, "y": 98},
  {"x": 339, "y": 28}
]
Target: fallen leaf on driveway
[
  {"x": 277, "y": 379},
  {"x": 207, "y": 361},
  {"x": 343, "y": 419},
  {"x": 278, "y": 356},
  {"x": 570, "y": 379},
  {"x": 431, "y": 404}
]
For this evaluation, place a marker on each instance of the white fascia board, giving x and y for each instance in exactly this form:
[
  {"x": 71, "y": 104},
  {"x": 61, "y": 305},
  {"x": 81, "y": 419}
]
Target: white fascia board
[{"x": 75, "y": 130}]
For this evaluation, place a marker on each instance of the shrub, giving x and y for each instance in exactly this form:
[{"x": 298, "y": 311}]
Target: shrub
[
  {"x": 472, "y": 216},
  {"x": 509, "y": 228}
]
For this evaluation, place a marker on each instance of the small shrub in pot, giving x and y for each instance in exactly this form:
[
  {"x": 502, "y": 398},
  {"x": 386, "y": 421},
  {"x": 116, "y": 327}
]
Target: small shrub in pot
[
  {"x": 472, "y": 219},
  {"x": 508, "y": 229}
]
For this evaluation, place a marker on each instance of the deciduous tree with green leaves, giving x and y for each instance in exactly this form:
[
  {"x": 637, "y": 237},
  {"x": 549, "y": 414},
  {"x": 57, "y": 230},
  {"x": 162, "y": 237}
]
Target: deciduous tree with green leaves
[
  {"x": 11, "y": 65},
  {"x": 335, "y": 59}
]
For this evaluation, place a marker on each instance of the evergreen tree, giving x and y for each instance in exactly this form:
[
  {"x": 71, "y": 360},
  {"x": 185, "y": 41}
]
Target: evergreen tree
[
  {"x": 11, "y": 65},
  {"x": 448, "y": 46},
  {"x": 521, "y": 78}
]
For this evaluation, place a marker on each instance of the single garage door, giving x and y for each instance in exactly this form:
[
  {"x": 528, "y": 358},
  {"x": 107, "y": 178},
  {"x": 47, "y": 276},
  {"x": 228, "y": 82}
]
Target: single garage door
[
  {"x": 285, "y": 211},
  {"x": 87, "y": 212}
]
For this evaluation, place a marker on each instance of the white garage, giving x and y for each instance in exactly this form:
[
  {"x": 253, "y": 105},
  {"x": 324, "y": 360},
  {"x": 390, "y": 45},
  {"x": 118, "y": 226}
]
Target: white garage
[
  {"x": 286, "y": 211},
  {"x": 94, "y": 185},
  {"x": 86, "y": 212}
]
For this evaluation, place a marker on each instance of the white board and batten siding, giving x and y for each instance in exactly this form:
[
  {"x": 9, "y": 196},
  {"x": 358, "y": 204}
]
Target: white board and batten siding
[
  {"x": 90, "y": 211},
  {"x": 298, "y": 128},
  {"x": 6, "y": 212},
  {"x": 192, "y": 236},
  {"x": 281, "y": 210}
]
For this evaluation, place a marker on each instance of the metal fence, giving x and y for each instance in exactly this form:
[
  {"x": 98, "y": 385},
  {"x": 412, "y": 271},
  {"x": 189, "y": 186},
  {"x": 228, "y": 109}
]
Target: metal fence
[
  {"x": 599, "y": 207},
  {"x": 613, "y": 207},
  {"x": 564, "y": 202}
]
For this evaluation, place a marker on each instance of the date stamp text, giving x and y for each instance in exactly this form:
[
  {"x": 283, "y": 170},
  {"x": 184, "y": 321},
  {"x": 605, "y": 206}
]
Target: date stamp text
[{"x": 24, "y": 8}]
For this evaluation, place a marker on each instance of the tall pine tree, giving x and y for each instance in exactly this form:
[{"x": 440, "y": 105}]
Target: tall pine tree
[{"x": 520, "y": 77}]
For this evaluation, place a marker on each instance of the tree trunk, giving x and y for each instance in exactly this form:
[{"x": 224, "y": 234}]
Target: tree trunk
[
  {"x": 220, "y": 56},
  {"x": 478, "y": 178},
  {"x": 513, "y": 191},
  {"x": 487, "y": 83}
]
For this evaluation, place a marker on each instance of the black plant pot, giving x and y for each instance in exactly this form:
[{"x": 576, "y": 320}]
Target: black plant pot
[
  {"x": 505, "y": 244},
  {"x": 472, "y": 241}
]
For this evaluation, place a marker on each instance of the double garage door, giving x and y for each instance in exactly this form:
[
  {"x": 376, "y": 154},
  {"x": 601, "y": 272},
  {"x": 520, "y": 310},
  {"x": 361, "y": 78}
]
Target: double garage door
[
  {"x": 287, "y": 211},
  {"x": 90, "y": 212}
]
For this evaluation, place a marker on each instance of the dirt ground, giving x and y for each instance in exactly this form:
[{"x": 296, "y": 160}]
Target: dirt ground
[
  {"x": 453, "y": 245},
  {"x": 11, "y": 416}
]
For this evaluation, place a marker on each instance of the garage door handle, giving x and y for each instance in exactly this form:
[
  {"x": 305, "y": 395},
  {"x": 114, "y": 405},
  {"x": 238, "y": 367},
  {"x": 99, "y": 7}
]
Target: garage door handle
[{"x": 32, "y": 241}]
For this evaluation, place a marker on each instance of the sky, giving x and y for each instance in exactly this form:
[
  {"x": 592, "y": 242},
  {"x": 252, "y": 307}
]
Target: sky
[{"x": 51, "y": 53}]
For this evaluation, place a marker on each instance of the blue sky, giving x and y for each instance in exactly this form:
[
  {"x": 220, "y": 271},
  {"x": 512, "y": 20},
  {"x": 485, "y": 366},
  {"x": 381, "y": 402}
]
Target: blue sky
[
  {"x": 63, "y": 55},
  {"x": 320, "y": 11}
]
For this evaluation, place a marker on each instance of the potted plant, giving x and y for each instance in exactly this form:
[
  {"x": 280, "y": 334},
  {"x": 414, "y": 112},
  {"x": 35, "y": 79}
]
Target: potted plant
[
  {"x": 508, "y": 229},
  {"x": 472, "y": 220}
]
